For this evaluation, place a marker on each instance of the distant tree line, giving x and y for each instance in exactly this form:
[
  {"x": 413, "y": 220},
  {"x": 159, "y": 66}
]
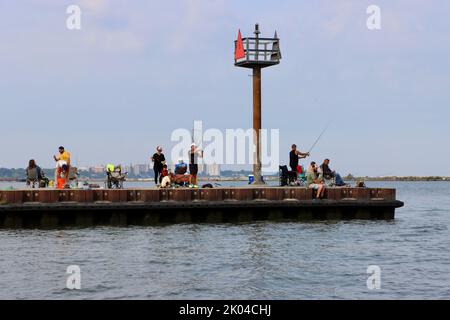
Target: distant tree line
[
  {"x": 20, "y": 173},
  {"x": 350, "y": 177},
  {"x": 15, "y": 173}
]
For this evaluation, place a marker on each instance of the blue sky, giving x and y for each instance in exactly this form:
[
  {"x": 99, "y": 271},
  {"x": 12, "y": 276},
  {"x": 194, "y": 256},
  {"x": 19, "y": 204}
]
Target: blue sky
[{"x": 137, "y": 70}]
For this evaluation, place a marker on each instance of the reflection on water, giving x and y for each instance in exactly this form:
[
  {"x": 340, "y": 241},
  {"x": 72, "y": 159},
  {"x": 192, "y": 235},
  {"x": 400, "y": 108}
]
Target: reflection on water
[{"x": 259, "y": 260}]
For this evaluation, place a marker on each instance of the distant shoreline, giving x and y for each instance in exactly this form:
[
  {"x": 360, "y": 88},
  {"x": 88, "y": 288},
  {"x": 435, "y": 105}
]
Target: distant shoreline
[{"x": 394, "y": 178}]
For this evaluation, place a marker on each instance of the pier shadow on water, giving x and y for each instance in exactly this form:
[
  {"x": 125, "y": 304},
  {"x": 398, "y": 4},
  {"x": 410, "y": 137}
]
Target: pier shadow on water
[{"x": 86, "y": 219}]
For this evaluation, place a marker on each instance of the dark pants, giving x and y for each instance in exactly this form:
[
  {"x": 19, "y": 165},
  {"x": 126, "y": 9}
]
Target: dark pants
[
  {"x": 339, "y": 181},
  {"x": 157, "y": 172},
  {"x": 294, "y": 170}
]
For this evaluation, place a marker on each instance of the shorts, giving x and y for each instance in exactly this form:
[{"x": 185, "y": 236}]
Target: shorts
[
  {"x": 193, "y": 169},
  {"x": 315, "y": 186}
]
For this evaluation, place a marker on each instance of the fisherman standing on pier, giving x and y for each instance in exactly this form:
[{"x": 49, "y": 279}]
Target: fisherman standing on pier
[
  {"x": 159, "y": 161},
  {"x": 63, "y": 156},
  {"x": 194, "y": 153},
  {"x": 294, "y": 155}
]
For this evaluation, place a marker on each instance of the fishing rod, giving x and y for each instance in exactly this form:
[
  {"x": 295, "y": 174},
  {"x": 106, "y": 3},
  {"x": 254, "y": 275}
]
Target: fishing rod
[
  {"x": 320, "y": 136},
  {"x": 193, "y": 136}
]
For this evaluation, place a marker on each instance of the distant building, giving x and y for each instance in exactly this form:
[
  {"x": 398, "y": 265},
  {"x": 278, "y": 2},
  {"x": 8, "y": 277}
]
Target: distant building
[
  {"x": 140, "y": 169},
  {"x": 213, "y": 170},
  {"x": 97, "y": 169},
  {"x": 201, "y": 169}
]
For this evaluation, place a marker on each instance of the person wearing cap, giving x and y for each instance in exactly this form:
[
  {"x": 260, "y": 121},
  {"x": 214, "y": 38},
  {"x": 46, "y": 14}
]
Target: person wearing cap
[
  {"x": 194, "y": 153},
  {"x": 313, "y": 181},
  {"x": 63, "y": 156},
  {"x": 180, "y": 167},
  {"x": 180, "y": 176},
  {"x": 159, "y": 161}
]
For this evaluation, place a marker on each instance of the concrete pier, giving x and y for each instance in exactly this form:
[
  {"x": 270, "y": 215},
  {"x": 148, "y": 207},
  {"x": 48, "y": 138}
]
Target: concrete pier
[{"x": 43, "y": 208}]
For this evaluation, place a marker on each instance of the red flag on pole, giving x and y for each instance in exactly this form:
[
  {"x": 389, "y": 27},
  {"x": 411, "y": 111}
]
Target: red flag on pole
[{"x": 239, "y": 52}]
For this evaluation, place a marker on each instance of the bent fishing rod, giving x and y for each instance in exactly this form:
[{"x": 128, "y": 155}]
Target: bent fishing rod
[{"x": 320, "y": 136}]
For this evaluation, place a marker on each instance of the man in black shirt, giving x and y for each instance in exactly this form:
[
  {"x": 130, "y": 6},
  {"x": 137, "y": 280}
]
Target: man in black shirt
[
  {"x": 326, "y": 171},
  {"x": 294, "y": 155},
  {"x": 158, "y": 162},
  {"x": 194, "y": 153}
]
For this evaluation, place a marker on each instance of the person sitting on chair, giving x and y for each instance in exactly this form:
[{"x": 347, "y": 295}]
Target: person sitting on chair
[
  {"x": 34, "y": 173},
  {"x": 331, "y": 174},
  {"x": 114, "y": 176},
  {"x": 181, "y": 179},
  {"x": 116, "y": 171},
  {"x": 314, "y": 182},
  {"x": 180, "y": 167}
]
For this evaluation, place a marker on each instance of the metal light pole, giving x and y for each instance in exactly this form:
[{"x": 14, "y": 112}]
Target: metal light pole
[
  {"x": 254, "y": 53},
  {"x": 257, "y": 124}
]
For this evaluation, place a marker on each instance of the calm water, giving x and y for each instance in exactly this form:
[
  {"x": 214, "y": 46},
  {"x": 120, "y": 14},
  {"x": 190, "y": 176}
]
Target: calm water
[{"x": 262, "y": 260}]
